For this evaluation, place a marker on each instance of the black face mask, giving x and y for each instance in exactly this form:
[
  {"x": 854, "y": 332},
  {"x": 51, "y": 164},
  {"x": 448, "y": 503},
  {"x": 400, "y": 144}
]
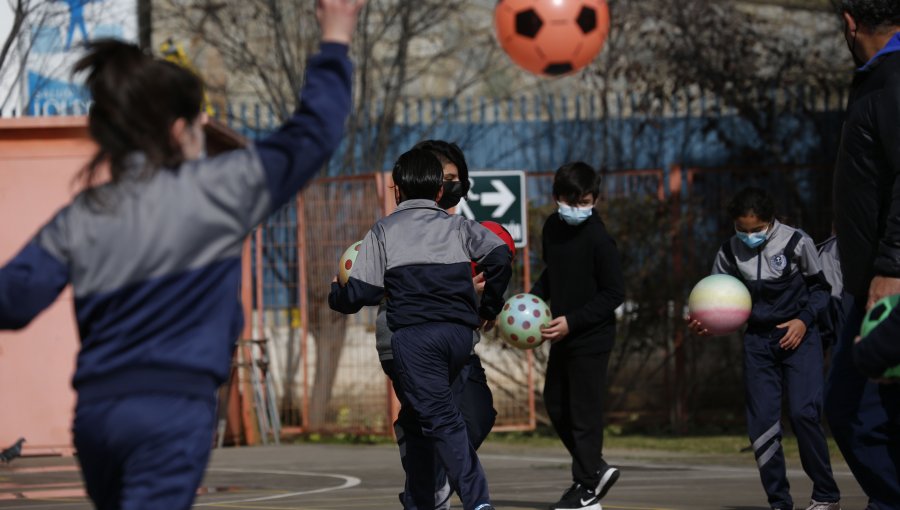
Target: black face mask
[
  {"x": 453, "y": 193},
  {"x": 851, "y": 45}
]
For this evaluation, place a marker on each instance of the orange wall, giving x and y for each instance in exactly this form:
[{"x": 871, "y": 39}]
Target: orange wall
[{"x": 38, "y": 159}]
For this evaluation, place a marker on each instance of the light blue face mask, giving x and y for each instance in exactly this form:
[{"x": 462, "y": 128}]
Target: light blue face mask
[
  {"x": 574, "y": 215},
  {"x": 753, "y": 239}
]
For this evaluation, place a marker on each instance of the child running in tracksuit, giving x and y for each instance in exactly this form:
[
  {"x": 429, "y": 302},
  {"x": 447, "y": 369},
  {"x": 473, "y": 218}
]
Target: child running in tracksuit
[
  {"x": 419, "y": 258},
  {"x": 782, "y": 349},
  {"x": 424, "y": 471},
  {"x": 153, "y": 257}
]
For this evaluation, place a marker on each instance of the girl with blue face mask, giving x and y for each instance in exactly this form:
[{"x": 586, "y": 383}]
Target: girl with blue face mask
[
  {"x": 751, "y": 230},
  {"x": 783, "y": 355}
]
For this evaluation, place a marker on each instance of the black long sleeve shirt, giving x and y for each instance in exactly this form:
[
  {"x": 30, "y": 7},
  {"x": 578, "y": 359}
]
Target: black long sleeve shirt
[{"x": 583, "y": 281}]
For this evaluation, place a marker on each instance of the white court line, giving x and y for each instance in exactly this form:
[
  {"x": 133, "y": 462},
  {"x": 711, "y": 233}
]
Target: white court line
[
  {"x": 349, "y": 481},
  {"x": 638, "y": 464},
  {"x": 48, "y": 505}
]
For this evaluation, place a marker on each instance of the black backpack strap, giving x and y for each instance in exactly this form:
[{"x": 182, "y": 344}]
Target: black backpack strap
[
  {"x": 789, "y": 251},
  {"x": 729, "y": 254}
]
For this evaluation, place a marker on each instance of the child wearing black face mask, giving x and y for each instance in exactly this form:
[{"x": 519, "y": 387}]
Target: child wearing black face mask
[
  {"x": 584, "y": 285},
  {"x": 456, "y": 171},
  {"x": 419, "y": 258},
  {"x": 782, "y": 346},
  {"x": 472, "y": 395}
]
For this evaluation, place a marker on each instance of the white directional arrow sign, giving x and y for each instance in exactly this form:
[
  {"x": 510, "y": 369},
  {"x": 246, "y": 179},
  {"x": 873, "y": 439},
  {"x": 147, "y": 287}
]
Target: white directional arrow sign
[
  {"x": 498, "y": 195},
  {"x": 503, "y": 198}
]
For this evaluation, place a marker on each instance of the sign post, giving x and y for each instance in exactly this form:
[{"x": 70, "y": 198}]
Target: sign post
[{"x": 498, "y": 195}]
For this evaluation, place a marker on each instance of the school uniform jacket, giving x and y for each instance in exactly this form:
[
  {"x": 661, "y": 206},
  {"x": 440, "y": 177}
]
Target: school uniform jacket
[
  {"x": 784, "y": 277},
  {"x": 420, "y": 258},
  {"x": 154, "y": 261}
]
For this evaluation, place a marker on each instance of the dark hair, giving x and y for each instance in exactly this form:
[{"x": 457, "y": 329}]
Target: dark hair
[
  {"x": 136, "y": 99},
  {"x": 575, "y": 180},
  {"x": 873, "y": 14},
  {"x": 751, "y": 200},
  {"x": 419, "y": 174},
  {"x": 448, "y": 152}
]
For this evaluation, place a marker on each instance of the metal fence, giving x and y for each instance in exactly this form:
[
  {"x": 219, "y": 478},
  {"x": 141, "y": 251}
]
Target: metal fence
[
  {"x": 668, "y": 225},
  {"x": 617, "y": 131},
  {"x": 326, "y": 373},
  {"x": 691, "y": 152},
  {"x": 668, "y": 217}
]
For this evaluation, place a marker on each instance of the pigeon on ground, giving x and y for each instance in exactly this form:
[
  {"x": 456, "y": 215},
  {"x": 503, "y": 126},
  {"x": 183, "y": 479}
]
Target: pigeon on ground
[{"x": 12, "y": 452}]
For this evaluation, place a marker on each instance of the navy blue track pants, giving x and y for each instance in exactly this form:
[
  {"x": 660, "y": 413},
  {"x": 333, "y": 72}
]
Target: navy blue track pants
[
  {"x": 770, "y": 373},
  {"x": 475, "y": 401},
  {"x": 144, "y": 452},
  {"x": 865, "y": 420},
  {"x": 427, "y": 359}
]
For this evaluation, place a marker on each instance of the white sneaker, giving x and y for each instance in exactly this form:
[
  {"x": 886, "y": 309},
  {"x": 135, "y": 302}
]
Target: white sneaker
[{"x": 818, "y": 505}]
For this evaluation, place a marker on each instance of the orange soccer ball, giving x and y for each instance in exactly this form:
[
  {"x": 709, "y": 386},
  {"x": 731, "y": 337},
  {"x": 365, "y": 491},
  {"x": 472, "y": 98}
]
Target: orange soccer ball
[{"x": 552, "y": 37}]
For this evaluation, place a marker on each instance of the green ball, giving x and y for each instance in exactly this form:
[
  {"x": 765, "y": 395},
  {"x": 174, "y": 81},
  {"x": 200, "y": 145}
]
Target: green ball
[{"x": 876, "y": 315}]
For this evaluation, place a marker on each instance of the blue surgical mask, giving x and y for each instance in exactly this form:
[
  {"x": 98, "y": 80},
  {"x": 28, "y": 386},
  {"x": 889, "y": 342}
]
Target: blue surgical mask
[
  {"x": 753, "y": 239},
  {"x": 574, "y": 215}
]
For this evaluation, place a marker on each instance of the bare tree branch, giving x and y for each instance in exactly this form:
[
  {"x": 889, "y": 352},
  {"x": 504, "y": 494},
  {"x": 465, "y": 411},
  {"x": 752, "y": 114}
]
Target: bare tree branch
[{"x": 20, "y": 13}]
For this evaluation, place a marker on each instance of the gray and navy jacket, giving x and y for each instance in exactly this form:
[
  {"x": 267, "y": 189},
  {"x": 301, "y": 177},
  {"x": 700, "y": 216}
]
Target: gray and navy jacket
[
  {"x": 834, "y": 316},
  {"x": 784, "y": 277},
  {"x": 154, "y": 259},
  {"x": 420, "y": 259}
]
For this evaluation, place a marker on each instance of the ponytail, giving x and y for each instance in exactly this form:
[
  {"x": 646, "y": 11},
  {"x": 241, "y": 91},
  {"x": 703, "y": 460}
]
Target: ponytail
[{"x": 136, "y": 99}]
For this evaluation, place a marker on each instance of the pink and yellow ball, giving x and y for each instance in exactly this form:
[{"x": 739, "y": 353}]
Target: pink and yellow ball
[{"x": 721, "y": 303}]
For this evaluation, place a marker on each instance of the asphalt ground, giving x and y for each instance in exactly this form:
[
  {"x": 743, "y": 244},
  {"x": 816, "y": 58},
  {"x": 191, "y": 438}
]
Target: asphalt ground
[{"x": 349, "y": 477}]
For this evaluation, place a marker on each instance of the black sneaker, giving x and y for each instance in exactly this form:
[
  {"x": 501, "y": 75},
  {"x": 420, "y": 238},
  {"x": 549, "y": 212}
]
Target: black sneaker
[
  {"x": 608, "y": 477},
  {"x": 578, "y": 497}
]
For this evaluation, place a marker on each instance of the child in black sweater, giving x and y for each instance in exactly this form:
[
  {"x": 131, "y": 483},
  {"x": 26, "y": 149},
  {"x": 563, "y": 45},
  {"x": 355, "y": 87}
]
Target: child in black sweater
[{"x": 584, "y": 285}]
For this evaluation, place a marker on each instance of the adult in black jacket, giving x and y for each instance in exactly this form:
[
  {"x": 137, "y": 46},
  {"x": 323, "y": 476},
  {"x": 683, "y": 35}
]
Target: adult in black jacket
[
  {"x": 583, "y": 282},
  {"x": 865, "y": 417}
]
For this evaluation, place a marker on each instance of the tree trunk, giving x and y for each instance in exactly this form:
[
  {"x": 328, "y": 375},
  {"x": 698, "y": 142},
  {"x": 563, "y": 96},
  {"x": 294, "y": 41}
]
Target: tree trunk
[{"x": 328, "y": 329}]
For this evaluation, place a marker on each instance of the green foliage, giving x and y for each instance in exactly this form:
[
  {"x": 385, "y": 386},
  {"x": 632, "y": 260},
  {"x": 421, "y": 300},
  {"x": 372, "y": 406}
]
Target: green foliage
[
  {"x": 342, "y": 438},
  {"x": 734, "y": 444}
]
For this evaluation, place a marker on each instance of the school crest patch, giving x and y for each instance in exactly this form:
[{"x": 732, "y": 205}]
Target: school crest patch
[{"x": 778, "y": 262}]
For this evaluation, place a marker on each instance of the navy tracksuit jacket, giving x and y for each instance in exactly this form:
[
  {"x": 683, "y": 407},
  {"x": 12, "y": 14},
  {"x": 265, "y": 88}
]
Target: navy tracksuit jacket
[{"x": 154, "y": 263}]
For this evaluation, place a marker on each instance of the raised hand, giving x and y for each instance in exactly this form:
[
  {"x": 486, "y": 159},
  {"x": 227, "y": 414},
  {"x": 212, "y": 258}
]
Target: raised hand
[{"x": 337, "y": 19}]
